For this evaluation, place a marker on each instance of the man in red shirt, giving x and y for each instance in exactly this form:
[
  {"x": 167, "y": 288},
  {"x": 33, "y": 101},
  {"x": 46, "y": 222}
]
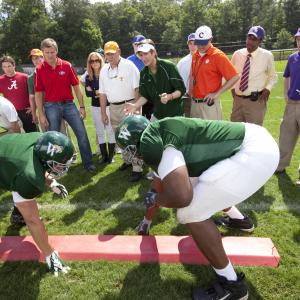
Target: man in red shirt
[
  {"x": 13, "y": 86},
  {"x": 53, "y": 83}
]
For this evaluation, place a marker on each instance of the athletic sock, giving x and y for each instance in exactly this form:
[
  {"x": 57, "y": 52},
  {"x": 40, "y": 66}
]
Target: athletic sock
[
  {"x": 147, "y": 221},
  {"x": 228, "y": 272},
  {"x": 234, "y": 213}
]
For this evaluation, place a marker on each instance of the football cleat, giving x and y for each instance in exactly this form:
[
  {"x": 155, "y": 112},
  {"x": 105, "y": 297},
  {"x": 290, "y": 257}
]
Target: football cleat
[
  {"x": 16, "y": 218},
  {"x": 223, "y": 289},
  {"x": 143, "y": 228},
  {"x": 245, "y": 224}
]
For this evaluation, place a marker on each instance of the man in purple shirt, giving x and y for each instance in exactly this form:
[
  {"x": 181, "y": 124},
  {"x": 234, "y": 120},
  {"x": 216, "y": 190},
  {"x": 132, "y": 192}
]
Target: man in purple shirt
[{"x": 289, "y": 128}]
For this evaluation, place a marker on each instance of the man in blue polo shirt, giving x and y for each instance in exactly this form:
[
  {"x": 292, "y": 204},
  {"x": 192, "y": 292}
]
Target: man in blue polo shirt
[
  {"x": 134, "y": 58},
  {"x": 289, "y": 128}
]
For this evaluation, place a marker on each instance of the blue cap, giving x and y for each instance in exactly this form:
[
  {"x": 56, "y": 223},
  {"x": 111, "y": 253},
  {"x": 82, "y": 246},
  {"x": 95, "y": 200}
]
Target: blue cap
[
  {"x": 257, "y": 31},
  {"x": 137, "y": 39},
  {"x": 191, "y": 37},
  {"x": 298, "y": 32}
]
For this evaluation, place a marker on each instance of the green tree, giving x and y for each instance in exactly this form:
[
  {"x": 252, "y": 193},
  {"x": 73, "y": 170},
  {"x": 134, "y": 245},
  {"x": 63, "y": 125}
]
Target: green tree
[
  {"x": 24, "y": 26},
  {"x": 292, "y": 13},
  {"x": 89, "y": 39},
  {"x": 172, "y": 35},
  {"x": 71, "y": 30},
  {"x": 284, "y": 40}
]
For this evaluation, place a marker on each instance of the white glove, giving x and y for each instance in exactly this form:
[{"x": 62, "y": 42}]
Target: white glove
[
  {"x": 55, "y": 264},
  {"x": 59, "y": 189}
]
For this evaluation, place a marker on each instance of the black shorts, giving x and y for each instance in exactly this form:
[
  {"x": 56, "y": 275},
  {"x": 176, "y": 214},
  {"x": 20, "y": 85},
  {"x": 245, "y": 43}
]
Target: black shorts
[{"x": 26, "y": 119}]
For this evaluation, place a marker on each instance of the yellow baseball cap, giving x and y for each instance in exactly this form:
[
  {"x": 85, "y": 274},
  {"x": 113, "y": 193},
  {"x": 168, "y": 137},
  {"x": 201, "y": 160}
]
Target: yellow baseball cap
[
  {"x": 111, "y": 47},
  {"x": 36, "y": 52}
]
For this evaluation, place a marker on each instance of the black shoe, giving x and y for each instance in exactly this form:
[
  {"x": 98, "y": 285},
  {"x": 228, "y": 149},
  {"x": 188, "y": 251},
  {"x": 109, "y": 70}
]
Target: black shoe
[
  {"x": 245, "y": 224},
  {"x": 123, "y": 167},
  {"x": 143, "y": 228},
  {"x": 16, "y": 218},
  {"x": 135, "y": 176},
  {"x": 111, "y": 152},
  {"x": 223, "y": 289},
  {"x": 91, "y": 169},
  {"x": 104, "y": 160},
  {"x": 104, "y": 153}
]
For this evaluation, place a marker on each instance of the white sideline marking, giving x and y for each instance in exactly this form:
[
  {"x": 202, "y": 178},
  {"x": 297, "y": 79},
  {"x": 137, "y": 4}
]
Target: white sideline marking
[{"x": 139, "y": 206}]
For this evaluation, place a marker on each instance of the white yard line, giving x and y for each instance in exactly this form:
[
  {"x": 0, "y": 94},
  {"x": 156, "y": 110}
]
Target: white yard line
[{"x": 139, "y": 206}]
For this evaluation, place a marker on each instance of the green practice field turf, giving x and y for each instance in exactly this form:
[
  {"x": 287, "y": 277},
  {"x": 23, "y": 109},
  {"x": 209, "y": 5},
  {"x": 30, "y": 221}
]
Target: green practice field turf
[{"x": 106, "y": 203}]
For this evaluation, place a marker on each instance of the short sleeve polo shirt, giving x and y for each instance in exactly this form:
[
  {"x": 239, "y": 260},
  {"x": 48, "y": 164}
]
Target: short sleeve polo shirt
[
  {"x": 208, "y": 71},
  {"x": 57, "y": 82}
]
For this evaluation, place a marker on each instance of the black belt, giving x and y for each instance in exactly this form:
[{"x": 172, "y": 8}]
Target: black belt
[
  {"x": 247, "y": 97},
  {"x": 196, "y": 100},
  {"x": 122, "y": 102}
]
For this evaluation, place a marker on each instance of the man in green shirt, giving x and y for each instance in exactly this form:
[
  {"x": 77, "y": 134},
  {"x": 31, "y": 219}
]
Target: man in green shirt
[
  {"x": 29, "y": 162},
  {"x": 160, "y": 83},
  {"x": 203, "y": 167}
]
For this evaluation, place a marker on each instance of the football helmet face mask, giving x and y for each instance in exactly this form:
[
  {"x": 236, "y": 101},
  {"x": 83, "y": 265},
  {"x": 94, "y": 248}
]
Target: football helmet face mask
[
  {"x": 128, "y": 136},
  {"x": 55, "y": 151}
]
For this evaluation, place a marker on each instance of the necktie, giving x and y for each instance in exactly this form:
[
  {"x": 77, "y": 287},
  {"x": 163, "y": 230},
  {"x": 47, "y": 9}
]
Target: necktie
[{"x": 245, "y": 74}]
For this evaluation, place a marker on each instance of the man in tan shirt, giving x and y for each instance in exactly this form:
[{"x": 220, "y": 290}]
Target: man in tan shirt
[{"x": 257, "y": 69}]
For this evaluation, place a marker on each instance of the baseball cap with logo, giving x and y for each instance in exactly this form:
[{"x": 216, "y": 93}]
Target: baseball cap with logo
[
  {"x": 36, "y": 52},
  {"x": 145, "y": 48},
  {"x": 111, "y": 47},
  {"x": 137, "y": 39},
  {"x": 191, "y": 37},
  {"x": 257, "y": 31},
  {"x": 298, "y": 32},
  {"x": 100, "y": 51},
  {"x": 202, "y": 35}
]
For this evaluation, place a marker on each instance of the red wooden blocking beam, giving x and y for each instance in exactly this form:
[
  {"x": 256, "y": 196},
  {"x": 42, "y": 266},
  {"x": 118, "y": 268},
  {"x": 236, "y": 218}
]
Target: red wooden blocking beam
[{"x": 244, "y": 251}]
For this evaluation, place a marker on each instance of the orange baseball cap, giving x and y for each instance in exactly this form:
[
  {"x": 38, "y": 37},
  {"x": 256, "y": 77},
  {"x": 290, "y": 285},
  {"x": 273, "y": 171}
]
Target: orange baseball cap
[
  {"x": 111, "y": 47},
  {"x": 36, "y": 52}
]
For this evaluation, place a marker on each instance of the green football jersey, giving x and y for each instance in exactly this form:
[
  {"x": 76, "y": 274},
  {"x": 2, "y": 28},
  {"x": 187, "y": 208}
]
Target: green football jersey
[
  {"x": 20, "y": 169},
  {"x": 202, "y": 142}
]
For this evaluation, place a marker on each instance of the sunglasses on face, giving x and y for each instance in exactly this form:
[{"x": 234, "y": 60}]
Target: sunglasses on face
[{"x": 94, "y": 61}]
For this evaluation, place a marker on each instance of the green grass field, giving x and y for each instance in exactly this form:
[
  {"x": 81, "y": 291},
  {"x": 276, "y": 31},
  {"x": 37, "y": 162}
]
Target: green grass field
[{"x": 106, "y": 204}]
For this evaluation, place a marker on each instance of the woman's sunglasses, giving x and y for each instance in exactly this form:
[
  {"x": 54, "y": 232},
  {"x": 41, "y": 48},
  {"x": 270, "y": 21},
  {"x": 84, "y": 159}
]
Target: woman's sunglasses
[{"x": 94, "y": 61}]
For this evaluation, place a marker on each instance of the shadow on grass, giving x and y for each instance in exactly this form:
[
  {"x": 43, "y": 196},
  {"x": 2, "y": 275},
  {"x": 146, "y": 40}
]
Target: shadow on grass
[
  {"x": 100, "y": 195},
  {"x": 290, "y": 194},
  {"x": 257, "y": 202},
  {"x": 78, "y": 176},
  {"x": 20, "y": 280},
  {"x": 145, "y": 282},
  {"x": 148, "y": 282}
]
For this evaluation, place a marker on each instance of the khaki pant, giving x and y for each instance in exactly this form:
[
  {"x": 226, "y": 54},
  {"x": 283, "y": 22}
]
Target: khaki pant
[
  {"x": 203, "y": 111},
  {"x": 116, "y": 116},
  {"x": 289, "y": 133},
  {"x": 245, "y": 110}
]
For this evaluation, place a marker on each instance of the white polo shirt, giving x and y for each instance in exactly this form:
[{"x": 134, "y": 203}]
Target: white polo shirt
[
  {"x": 119, "y": 84},
  {"x": 8, "y": 113},
  {"x": 184, "y": 68}
]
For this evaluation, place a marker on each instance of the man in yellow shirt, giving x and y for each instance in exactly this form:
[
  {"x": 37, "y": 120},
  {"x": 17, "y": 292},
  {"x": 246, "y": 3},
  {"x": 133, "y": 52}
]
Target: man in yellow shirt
[{"x": 257, "y": 69}]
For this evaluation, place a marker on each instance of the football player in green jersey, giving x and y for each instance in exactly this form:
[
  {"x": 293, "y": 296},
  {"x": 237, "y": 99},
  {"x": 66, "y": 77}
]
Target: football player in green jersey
[
  {"x": 204, "y": 167},
  {"x": 29, "y": 163}
]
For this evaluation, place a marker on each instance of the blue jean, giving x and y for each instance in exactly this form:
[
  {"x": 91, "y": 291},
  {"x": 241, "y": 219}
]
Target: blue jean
[{"x": 56, "y": 111}]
